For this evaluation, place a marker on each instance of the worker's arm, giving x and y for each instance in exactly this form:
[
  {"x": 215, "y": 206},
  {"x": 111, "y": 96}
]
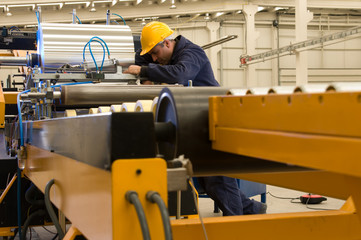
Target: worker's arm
[
  {"x": 143, "y": 60},
  {"x": 187, "y": 67}
]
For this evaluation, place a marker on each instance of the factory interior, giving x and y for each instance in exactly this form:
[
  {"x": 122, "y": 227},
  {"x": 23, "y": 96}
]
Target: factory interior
[{"x": 91, "y": 150}]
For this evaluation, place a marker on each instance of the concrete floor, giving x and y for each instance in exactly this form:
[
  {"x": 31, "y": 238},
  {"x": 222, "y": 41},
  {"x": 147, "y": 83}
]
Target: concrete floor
[{"x": 274, "y": 205}]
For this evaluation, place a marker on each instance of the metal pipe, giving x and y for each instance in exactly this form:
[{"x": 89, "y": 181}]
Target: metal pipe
[
  {"x": 74, "y": 16},
  {"x": 13, "y": 61},
  {"x": 107, "y": 94},
  {"x": 108, "y": 17}
]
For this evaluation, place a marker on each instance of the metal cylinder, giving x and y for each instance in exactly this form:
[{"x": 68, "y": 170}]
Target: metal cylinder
[
  {"x": 60, "y": 44},
  {"x": 108, "y": 94},
  {"x": 187, "y": 109},
  {"x": 13, "y": 61}
]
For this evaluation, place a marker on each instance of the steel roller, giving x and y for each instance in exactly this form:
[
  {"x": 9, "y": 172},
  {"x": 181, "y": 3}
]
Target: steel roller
[
  {"x": 108, "y": 94},
  {"x": 187, "y": 110}
]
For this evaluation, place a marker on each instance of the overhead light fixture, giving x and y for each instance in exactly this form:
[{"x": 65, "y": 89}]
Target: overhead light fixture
[
  {"x": 8, "y": 13},
  {"x": 92, "y": 9},
  {"x": 23, "y": 5},
  {"x": 239, "y": 12},
  {"x": 87, "y": 4},
  {"x": 259, "y": 9},
  {"x": 51, "y": 4},
  {"x": 173, "y": 6},
  {"x": 218, "y": 14},
  {"x": 207, "y": 17},
  {"x": 143, "y": 22}
]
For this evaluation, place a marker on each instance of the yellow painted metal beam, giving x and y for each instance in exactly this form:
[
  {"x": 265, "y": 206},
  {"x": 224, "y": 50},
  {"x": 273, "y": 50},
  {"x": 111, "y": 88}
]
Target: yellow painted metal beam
[
  {"x": 82, "y": 192},
  {"x": 6, "y": 232},
  {"x": 3, "y": 194},
  {"x": 318, "y": 131},
  {"x": 335, "y": 154},
  {"x": 339, "y": 224},
  {"x": 320, "y": 182},
  {"x": 2, "y": 108},
  {"x": 141, "y": 176},
  {"x": 72, "y": 233},
  {"x": 10, "y": 97}
]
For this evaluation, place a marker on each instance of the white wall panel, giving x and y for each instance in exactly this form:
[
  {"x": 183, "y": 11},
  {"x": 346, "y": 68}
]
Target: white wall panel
[{"x": 234, "y": 79}]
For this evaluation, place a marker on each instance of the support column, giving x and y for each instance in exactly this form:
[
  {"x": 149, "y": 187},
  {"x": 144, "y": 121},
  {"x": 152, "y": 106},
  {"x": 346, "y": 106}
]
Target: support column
[
  {"x": 302, "y": 18},
  {"x": 213, "y": 28},
  {"x": 251, "y": 37}
]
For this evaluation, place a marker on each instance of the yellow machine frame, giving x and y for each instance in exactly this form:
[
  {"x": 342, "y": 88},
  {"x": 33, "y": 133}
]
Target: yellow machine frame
[{"x": 317, "y": 131}]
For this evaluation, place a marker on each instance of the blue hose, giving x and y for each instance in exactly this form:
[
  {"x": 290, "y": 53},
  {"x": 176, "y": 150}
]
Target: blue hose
[
  {"x": 19, "y": 200},
  {"x": 37, "y": 17},
  {"x": 101, "y": 42},
  {"x": 18, "y": 170},
  {"x": 92, "y": 55},
  {"x": 73, "y": 83},
  {"x": 105, "y": 44},
  {"x": 120, "y": 17},
  {"x": 78, "y": 19},
  {"x": 20, "y": 118},
  {"x": 22, "y": 144}
]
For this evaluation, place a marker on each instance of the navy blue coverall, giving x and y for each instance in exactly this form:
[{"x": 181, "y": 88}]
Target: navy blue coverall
[{"x": 189, "y": 62}]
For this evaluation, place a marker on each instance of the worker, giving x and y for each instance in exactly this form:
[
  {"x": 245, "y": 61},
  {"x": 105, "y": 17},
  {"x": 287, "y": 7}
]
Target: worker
[{"x": 163, "y": 59}]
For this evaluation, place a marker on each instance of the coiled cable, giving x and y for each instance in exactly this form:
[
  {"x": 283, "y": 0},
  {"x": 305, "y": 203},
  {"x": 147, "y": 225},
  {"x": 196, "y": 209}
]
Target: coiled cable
[
  {"x": 50, "y": 209},
  {"x": 133, "y": 198},
  {"x": 154, "y": 197}
]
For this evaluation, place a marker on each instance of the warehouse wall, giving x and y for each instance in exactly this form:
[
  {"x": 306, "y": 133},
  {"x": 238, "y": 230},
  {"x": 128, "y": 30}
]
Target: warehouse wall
[{"x": 329, "y": 63}]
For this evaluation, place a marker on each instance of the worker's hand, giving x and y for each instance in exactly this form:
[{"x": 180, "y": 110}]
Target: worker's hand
[{"x": 133, "y": 69}]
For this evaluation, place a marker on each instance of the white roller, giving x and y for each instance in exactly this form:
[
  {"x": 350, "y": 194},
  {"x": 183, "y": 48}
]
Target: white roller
[
  {"x": 103, "y": 109},
  {"x": 237, "y": 92},
  {"x": 282, "y": 90},
  {"x": 154, "y": 105},
  {"x": 128, "y": 107},
  {"x": 143, "y": 106},
  {"x": 116, "y": 108},
  {"x": 93, "y": 110},
  {"x": 311, "y": 88},
  {"x": 70, "y": 113},
  {"x": 344, "y": 87}
]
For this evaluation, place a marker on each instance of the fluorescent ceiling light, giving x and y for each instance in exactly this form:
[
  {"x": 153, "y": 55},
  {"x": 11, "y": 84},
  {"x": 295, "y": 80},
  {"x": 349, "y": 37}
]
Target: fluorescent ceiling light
[
  {"x": 218, "y": 14},
  {"x": 22, "y": 5},
  {"x": 78, "y": 3},
  {"x": 92, "y": 9},
  {"x": 260, "y": 9},
  {"x": 103, "y": 1},
  {"x": 207, "y": 17},
  {"x": 173, "y": 6},
  {"x": 51, "y": 4}
]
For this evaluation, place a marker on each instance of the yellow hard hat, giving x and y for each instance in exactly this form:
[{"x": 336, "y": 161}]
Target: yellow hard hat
[{"x": 152, "y": 34}]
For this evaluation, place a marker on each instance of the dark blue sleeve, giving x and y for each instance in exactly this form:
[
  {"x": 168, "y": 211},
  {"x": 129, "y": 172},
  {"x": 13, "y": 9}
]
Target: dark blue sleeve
[
  {"x": 142, "y": 60},
  {"x": 187, "y": 66}
]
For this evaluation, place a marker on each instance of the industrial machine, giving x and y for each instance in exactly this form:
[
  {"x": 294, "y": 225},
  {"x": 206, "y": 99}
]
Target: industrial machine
[{"x": 108, "y": 170}]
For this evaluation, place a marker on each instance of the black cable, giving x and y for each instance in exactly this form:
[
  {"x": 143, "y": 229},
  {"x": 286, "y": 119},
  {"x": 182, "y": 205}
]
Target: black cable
[
  {"x": 56, "y": 235},
  {"x": 38, "y": 213},
  {"x": 30, "y": 196},
  {"x": 50, "y": 209},
  {"x": 154, "y": 197},
  {"x": 132, "y": 197},
  {"x": 282, "y": 197}
]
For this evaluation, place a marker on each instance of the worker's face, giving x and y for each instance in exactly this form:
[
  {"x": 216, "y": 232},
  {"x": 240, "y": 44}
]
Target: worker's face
[{"x": 162, "y": 52}]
